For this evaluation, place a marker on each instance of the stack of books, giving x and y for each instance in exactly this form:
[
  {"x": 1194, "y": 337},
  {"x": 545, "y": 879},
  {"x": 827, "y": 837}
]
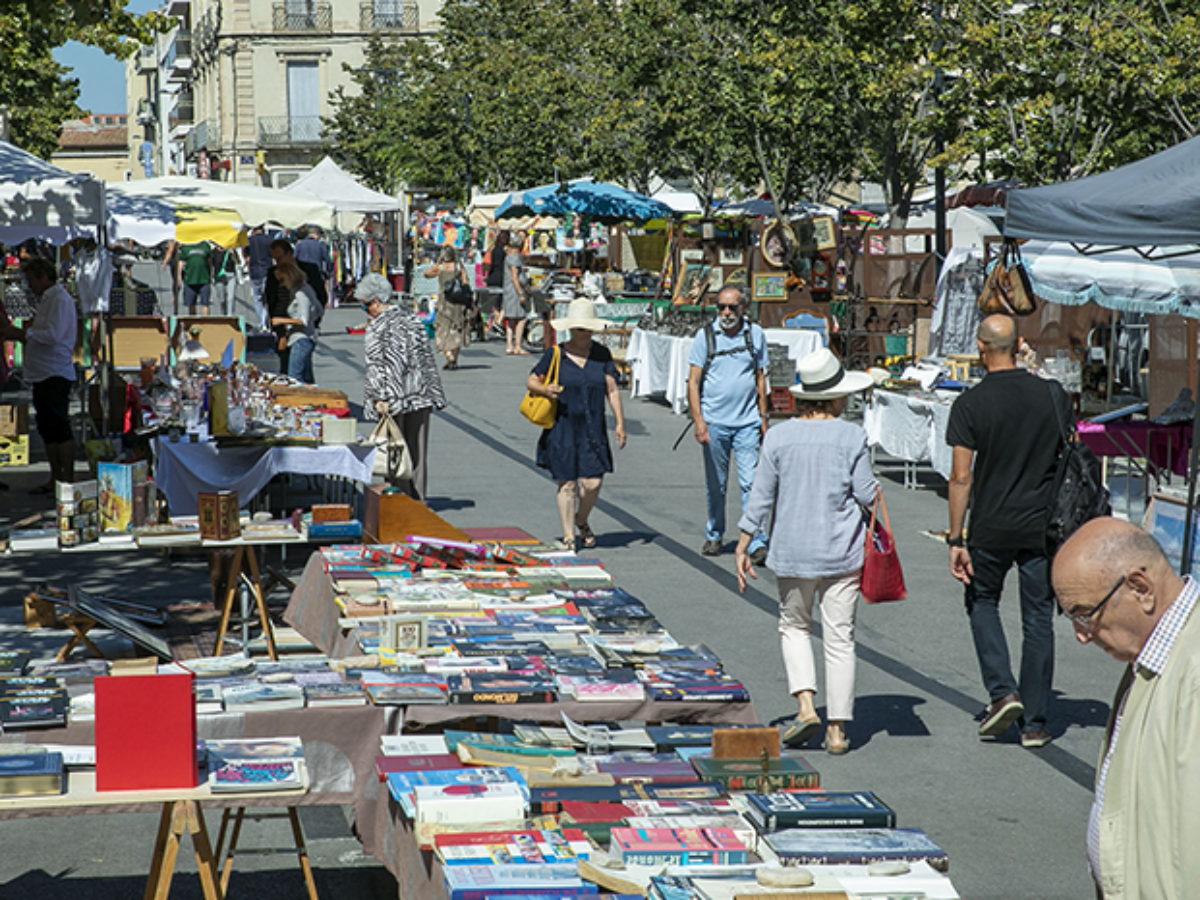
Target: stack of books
[{"x": 258, "y": 764}]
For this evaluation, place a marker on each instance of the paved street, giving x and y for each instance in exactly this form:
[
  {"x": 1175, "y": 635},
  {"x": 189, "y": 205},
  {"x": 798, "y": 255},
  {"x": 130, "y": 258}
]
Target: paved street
[{"x": 1012, "y": 820}]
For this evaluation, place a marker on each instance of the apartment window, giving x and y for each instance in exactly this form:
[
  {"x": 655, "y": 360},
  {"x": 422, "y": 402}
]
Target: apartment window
[{"x": 304, "y": 100}]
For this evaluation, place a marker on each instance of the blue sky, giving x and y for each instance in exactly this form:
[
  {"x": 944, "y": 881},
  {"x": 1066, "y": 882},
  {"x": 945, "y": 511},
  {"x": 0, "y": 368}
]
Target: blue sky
[{"x": 101, "y": 78}]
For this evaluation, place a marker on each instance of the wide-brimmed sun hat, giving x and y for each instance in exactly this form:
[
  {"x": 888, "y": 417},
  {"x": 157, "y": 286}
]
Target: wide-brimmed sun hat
[
  {"x": 580, "y": 314},
  {"x": 823, "y": 377}
]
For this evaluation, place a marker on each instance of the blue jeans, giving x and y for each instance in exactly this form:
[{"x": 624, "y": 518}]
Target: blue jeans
[
  {"x": 743, "y": 442},
  {"x": 1037, "y": 628},
  {"x": 300, "y": 360}
]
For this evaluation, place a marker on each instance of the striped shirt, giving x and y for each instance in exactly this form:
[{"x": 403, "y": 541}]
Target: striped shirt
[{"x": 1152, "y": 660}]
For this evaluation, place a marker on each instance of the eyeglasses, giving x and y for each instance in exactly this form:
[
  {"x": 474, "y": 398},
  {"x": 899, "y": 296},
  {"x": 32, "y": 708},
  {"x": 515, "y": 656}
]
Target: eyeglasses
[
  {"x": 1086, "y": 621},
  {"x": 730, "y": 306}
]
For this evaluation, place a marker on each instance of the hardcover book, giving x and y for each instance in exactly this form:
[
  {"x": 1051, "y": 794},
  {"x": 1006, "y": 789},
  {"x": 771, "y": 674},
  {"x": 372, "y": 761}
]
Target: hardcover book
[
  {"x": 271, "y": 749},
  {"x": 466, "y": 803},
  {"x": 13, "y": 662},
  {"x": 499, "y": 688},
  {"x": 254, "y": 697},
  {"x": 34, "y": 709},
  {"x": 761, "y": 776},
  {"x": 403, "y": 785},
  {"x": 677, "y": 846},
  {"x": 145, "y": 732},
  {"x": 854, "y": 846},
  {"x": 482, "y": 882},
  {"x": 119, "y": 483},
  {"x": 413, "y": 745},
  {"x": 340, "y": 694},
  {"x": 31, "y": 774},
  {"x": 218, "y": 511},
  {"x": 537, "y": 848},
  {"x": 664, "y": 772},
  {"x": 547, "y": 799},
  {"x": 818, "y": 809},
  {"x": 437, "y": 762},
  {"x": 404, "y": 695}
]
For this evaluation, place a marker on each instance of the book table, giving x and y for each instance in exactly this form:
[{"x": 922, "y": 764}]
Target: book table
[{"x": 180, "y": 814}]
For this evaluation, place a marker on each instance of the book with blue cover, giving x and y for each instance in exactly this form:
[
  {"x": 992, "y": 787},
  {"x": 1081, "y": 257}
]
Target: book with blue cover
[
  {"x": 818, "y": 809},
  {"x": 402, "y": 785},
  {"x": 482, "y": 882},
  {"x": 32, "y": 774},
  {"x": 855, "y": 846}
]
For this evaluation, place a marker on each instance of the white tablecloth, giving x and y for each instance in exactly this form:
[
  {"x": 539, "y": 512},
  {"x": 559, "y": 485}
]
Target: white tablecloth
[
  {"x": 909, "y": 428},
  {"x": 182, "y": 470},
  {"x": 659, "y": 362},
  {"x": 799, "y": 342},
  {"x": 659, "y": 365}
]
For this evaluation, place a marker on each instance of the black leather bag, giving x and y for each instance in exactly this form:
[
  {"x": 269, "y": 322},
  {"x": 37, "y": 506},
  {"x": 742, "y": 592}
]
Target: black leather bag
[{"x": 458, "y": 291}]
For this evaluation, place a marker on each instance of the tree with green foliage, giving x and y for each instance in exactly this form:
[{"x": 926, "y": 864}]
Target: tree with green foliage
[{"x": 35, "y": 89}]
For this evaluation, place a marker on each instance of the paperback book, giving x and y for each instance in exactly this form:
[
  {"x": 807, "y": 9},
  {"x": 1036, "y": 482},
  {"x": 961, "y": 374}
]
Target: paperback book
[
  {"x": 536, "y": 848},
  {"x": 257, "y": 775},
  {"x": 255, "y": 697},
  {"x": 403, "y": 785},
  {"x": 854, "y": 846},
  {"x": 504, "y": 689},
  {"x": 467, "y": 803},
  {"x": 482, "y": 882},
  {"x": 677, "y": 846}
]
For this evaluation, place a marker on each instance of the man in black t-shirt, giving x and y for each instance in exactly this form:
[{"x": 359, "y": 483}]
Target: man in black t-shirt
[{"x": 1005, "y": 436}]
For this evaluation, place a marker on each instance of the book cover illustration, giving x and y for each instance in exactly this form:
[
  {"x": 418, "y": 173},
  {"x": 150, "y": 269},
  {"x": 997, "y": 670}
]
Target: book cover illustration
[
  {"x": 537, "y": 848},
  {"x": 753, "y": 775},
  {"x": 818, "y": 809},
  {"x": 258, "y": 775},
  {"x": 854, "y": 846},
  {"x": 403, "y": 785}
]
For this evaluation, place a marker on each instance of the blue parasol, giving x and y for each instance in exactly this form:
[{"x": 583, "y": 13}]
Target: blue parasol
[{"x": 596, "y": 199}]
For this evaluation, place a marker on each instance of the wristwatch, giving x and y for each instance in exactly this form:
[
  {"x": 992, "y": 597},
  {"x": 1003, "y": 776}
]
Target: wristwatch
[{"x": 955, "y": 541}]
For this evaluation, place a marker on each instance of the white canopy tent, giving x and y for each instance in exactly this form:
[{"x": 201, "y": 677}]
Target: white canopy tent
[
  {"x": 341, "y": 190},
  {"x": 41, "y": 200}
]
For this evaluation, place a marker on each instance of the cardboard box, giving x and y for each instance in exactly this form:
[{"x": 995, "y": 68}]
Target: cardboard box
[
  {"x": 218, "y": 515},
  {"x": 145, "y": 732},
  {"x": 14, "y": 419},
  {"x": 14, "y": 451}
]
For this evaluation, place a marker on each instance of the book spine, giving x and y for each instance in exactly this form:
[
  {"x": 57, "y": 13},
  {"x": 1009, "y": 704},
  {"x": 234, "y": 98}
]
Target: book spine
[
  {"x": 502, "y": 697},
  {"x": 780, "y": 821},
  {"x": 682, "y": 857},
  {"x": 794, "y": 858}
]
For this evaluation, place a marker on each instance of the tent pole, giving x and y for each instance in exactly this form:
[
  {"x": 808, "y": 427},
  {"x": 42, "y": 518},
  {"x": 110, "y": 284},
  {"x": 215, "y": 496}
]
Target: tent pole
[
  {"x": 1112, "y": 361},
  {"x": 1189, "y": 531}
]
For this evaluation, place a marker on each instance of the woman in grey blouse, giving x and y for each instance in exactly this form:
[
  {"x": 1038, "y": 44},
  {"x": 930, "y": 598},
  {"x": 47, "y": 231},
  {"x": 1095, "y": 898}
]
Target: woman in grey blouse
[{"x": 814, "y": 472}]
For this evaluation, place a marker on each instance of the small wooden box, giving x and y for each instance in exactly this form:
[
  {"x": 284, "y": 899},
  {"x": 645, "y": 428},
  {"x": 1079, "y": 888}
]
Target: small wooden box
[
  {"x": 218, "y": 515},
  {"x": 389, "y": 517},
  {"x": 331, "y": 512},
  {"x": 745, "y": 743},
  {"x": 14, "y": 451},
  {"x": 14, "y": 419}
]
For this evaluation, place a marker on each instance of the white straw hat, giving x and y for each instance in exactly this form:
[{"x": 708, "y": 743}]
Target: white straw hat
[
  {"x": 823, "y": 377},
  {"x": 581, "y": 314}
]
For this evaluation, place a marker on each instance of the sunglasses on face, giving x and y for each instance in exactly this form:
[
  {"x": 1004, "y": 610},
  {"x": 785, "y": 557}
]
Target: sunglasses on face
[{"x": 732, "y": 307}]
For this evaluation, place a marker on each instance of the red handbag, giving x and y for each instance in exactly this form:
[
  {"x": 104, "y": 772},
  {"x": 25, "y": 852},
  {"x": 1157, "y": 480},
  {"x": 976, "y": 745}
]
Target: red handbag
[{"x": 882, "y": 577}]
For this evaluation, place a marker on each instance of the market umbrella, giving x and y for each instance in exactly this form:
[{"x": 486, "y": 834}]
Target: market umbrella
[
  {"x": 597, "y": 199},
  {"x": 40, "y": 200},
  {"x": 214, "y": 210},
  {"x": 150, "y": 220}
]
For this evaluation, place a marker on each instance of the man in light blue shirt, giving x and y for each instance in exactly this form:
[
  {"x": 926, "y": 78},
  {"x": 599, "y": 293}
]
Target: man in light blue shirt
[{"x": 727, "y": 394}]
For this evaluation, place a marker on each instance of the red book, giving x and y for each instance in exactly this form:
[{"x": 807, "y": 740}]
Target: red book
[
  {"x": 436, "y": 762},
  {"x": 584, "y": 811},
  {"x": 145, "y": 732}
]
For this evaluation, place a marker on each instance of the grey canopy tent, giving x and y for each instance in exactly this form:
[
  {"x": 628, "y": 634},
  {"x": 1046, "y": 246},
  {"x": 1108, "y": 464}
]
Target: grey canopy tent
[{"x": 1150, "y": 205}]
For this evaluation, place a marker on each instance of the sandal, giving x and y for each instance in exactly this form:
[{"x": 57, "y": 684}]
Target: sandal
[
  {"x": 565, "y": 544},
  {"x": 587, "y": 536}
]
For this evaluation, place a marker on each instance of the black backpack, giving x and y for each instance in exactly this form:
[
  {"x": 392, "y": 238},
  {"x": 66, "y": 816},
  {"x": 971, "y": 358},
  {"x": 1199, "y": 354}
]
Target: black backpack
[{"x": 1079, "y": 493}]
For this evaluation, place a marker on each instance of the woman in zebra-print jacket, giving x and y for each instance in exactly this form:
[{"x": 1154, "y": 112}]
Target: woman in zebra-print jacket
[{"x": 401, "y": 375}]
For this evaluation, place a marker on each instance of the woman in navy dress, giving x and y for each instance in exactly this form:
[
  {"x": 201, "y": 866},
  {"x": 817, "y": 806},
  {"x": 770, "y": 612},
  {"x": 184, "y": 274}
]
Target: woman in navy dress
[{"x": 576, "y": 449}]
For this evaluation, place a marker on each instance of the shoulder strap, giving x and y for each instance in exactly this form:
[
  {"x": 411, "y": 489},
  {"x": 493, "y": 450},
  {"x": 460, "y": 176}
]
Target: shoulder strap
[
  {"x": 749, "y": 338},
  {"x": 552, "y": 374},
  {"x": 1063, "y": 431}
]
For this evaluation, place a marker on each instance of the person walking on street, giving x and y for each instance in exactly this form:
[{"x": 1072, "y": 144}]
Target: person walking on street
[
  {"x": 517, "y": 301},
  {"x": 451, "y": 332},
  {"x": 575, "y": 449},
  {"x": 1005, "y": 439},
  {"x": 1114, "y": 582},
  {"x": 727, "y": 398},
  {"x": 49, "y": 345},
  {"x": 258, "y": 260},
  {"x": 194, "y": 272},
  {"x": 401, "y": 375},
  {"x": 815, "y": 468}
]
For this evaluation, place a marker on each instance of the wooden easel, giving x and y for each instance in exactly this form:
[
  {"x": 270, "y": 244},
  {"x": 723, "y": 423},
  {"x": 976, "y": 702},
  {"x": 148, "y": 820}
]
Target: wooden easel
[
  {"x": 245, "y": 564},
  {"x": 80, "y": 626},
  {"x": 237, "y": 815},
  {"x": 181, "y": 816}
]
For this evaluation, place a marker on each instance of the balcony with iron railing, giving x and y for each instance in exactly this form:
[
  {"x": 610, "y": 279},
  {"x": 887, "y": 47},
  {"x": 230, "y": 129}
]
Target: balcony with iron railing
[
  {"x": 289, "y": 131},
  {"x": 376, "y": 16},
  {"x": 303, "y": 17},
  {"x": 203, "y": 136}
]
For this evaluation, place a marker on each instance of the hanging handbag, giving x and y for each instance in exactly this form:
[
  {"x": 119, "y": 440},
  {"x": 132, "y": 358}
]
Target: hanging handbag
[
  {"x": 392, "y": 459},
  {"x": 457, "y": 290},
  {"x": 1007, "y": 289},
  {"x": 882, "y": 578},
  {"x": 542, "y": 410}
]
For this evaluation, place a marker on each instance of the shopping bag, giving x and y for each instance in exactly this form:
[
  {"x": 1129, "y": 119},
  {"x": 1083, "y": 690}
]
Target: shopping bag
[
  {"x": 392, "y": 459},
  {"x": 542, "y": 410},
  {"x": 882, "y": 578}
]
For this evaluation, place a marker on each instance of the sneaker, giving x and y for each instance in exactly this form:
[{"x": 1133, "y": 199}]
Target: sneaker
[
  {"x": 1000, "y": 715},
  {"x": 1031, "y": 740},
  {"x": 711, "y": 548},
  {"x": 759, "y": 556}
]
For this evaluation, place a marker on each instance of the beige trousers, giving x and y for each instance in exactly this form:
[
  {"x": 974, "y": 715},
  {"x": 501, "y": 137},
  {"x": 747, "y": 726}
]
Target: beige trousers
[{"x": 839, "y": 602}]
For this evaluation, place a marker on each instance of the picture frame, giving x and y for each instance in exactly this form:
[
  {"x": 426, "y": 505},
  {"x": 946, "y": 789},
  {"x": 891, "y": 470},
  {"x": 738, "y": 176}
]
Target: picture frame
[
  {"x": 730, "y": 256},
  {"x": 716, "y": 279},
  {"x": 1164, "y": 522},
  {"x": 692, "y": 254},
  {"x": 768, "y": 287},
  {"x": 825, "y": 232},
  {"x": 402, "y": 634},
  {"x": 693, "y": 283}
]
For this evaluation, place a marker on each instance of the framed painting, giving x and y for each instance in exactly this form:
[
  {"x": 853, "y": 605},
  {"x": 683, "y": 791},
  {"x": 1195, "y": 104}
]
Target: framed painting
[
  {"x": 692, "y": 283},
  {"x": 404, "y": 634},
  {"x": 730, "y": 256},
  {"x": 824, "y": 233},
  {"x": 768, "y": 287},
  {"x": 692, "y": 254}
]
